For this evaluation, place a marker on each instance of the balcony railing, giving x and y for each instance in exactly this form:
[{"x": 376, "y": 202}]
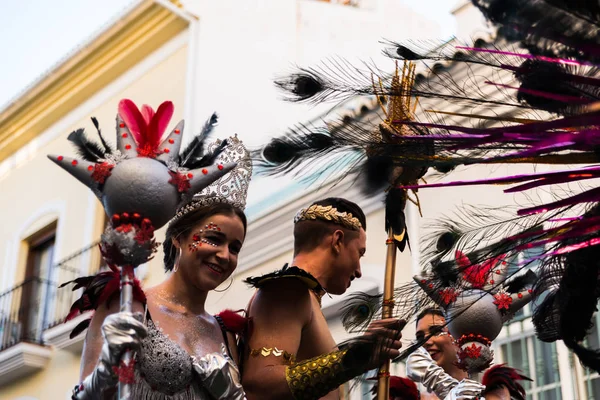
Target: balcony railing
[{"x": 37, "y": 303}]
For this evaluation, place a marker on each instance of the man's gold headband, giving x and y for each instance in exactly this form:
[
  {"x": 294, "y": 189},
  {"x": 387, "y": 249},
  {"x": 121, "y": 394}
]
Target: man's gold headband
[{"x": 328, "y": 214}]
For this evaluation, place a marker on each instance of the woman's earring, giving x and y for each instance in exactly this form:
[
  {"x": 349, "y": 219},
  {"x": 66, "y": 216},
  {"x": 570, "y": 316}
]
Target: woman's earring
[
  {"x": 228, "y": 286},
  {"x": 176, "y": 266}
]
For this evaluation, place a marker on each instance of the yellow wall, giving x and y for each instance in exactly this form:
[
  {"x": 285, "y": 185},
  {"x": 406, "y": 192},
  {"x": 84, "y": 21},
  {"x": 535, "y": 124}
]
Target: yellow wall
[{"x": 33, "y": 185}]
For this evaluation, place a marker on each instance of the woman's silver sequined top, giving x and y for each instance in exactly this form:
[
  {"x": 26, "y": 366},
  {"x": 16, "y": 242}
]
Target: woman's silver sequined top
[{"x": 164, "y": 370}]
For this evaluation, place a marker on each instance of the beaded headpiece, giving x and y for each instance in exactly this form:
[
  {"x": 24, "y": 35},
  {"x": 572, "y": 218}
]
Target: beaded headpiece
[
  {"x": 232, "y": 188},
  {"x": 328, "y": 214}
]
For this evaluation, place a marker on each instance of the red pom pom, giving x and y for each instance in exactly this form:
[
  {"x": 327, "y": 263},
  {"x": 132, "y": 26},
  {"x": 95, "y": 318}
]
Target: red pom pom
[
  {"x": 233, "y": 321},
  {"x": 403, "y": 388}
]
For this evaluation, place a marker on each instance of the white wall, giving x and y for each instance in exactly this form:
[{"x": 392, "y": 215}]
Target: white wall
[{"x": 241, "y": 54}]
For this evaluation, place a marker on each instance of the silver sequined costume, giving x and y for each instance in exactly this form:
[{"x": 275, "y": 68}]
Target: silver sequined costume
[{"x": 164, "y": 370}]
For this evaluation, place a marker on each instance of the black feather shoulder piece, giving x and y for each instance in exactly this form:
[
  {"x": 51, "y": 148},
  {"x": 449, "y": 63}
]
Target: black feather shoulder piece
[{"x": 286, "y": 273}]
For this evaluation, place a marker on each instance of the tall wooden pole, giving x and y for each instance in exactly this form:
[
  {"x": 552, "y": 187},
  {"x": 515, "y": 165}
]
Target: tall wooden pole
[
  {"x": 127, "y": 281},
  {"x": 383, "y": 386}
]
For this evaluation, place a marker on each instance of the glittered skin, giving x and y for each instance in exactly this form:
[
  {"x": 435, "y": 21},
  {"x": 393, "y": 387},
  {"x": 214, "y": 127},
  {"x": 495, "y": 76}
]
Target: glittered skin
[{"x": 202, "y": 237}]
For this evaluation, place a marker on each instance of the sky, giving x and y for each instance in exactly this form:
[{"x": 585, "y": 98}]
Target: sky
[{"x": 35, "y": 35}]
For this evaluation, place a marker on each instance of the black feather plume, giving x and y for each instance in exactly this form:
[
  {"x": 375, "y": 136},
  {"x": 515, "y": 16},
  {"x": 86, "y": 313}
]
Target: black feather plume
[
  {"x": 107, "y": 148},
  {"x": 192, "y": 155},
  {"x": 82, "y": 326},
  {"x": 446, "y": 272},
  {"x": 359, "y": 310},
  {"x": 395, "y": 202},
  {"x": 553, "y": 28},
  {"x": 87, "y": 149},
  {"x": 207, "y": 159},
  {"x": 557, "y": 88},
  {"x": 302, "y": 86},
  {"x": 521, "y": 282},
  {"x": 377, "y": 170}
]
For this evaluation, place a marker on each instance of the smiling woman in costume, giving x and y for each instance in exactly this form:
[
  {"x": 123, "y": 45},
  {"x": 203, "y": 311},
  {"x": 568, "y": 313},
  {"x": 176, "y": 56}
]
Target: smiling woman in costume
[{"x": 181, "y": 351}]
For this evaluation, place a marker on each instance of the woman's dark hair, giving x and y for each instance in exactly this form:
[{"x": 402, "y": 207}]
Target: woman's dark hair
[
  {"x": 430, "y": 311},
  {"x": 185, "y": 225}
]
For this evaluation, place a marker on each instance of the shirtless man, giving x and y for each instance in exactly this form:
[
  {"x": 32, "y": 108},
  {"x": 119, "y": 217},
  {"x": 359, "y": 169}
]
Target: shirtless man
[{"x": 289, "y": 351}]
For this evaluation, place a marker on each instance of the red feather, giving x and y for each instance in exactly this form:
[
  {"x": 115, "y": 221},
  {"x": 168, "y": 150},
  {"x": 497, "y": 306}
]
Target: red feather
[
  {"x": 233, "y": 321},
  {"x": 79, "y": 282},
  {"x": 100, "y": 289},
  {"x": 502, "y": 376},
  {"x": 147, "y": 113},
  {"x": 476, "y": 274},
  {"x": 159, "y": 123},
  {"x": 134, "y": 120},
  {"x": 73, "y": 312},
  {"x": 146, "y": 126},
  {"x": 112, "y": 287},
  {"x": 461, "y": 259}
]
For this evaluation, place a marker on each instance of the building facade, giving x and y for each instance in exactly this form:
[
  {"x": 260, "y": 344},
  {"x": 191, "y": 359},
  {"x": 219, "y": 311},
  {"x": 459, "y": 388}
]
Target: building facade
[{"x": 204, "y": 56}]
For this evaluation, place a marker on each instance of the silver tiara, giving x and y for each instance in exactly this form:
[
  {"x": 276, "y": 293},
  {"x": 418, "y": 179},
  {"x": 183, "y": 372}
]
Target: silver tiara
[{"x": 232, "y": 188}]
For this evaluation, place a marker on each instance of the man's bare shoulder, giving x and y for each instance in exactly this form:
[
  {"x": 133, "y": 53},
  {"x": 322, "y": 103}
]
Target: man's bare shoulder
[
  {"x": 286, "y": 290},
  {"x": 283, "y": 292}
]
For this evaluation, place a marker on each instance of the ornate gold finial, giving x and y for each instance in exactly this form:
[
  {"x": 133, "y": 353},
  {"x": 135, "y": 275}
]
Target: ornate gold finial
[
  {"x": 401, "y": 106},
  {"x": 328, "y": 214}
]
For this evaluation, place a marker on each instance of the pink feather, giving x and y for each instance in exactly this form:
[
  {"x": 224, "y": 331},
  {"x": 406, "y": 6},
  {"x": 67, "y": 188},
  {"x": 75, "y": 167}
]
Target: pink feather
[
  {"x": 160, "y": 121},
  {"x": 147, "y": 113},
  {"x": 461, "y": 259},
  {"x": 134, "y": 120}
]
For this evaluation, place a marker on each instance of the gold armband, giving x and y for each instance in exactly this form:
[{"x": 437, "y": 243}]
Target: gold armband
[
  {"x": 288, "y": 358},
  {"x": 314, "y": 378}
]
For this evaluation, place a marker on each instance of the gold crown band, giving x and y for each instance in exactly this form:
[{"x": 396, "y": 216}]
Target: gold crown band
[{"x": 328, "y": 214}]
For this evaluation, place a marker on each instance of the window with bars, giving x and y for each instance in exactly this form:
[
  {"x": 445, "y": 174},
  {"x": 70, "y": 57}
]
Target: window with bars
[
  {"x": 539, "y": 361},
  {"x": 36, "y": 299},
  {"x": 24, "y": 307},
  {"x": 592, "y": 378}
]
